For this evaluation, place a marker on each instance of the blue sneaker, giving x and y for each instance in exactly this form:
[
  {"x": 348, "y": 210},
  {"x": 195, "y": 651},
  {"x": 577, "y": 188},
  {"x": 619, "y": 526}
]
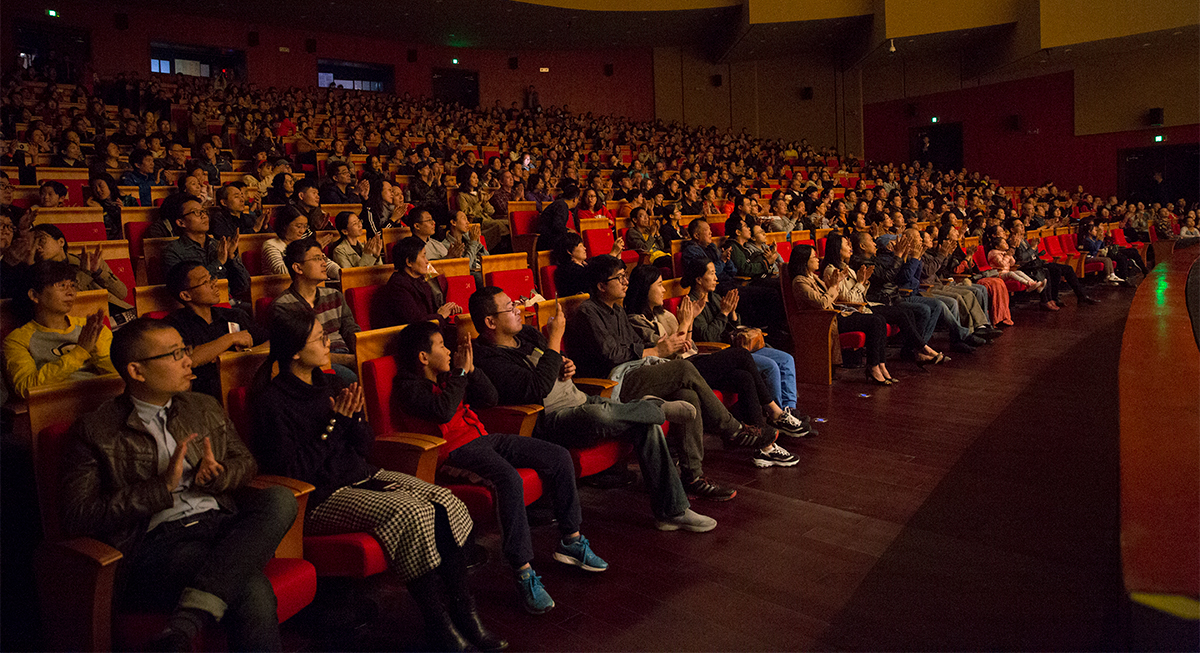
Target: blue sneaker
[
  {"x": 537, "y": 601},
  {"x": 580, "y": 554}
]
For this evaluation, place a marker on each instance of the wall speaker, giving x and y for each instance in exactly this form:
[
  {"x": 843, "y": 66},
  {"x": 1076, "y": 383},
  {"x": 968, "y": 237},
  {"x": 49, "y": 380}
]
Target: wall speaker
[
  {"x": 1155, "y": 117},
  {"x": 717, "y": 80},
  {"x": 910, "y": 110},
  {"x": 608, "y": 70},
  {"x": 1013, "y": 123},
  {"x": 252, "y": 39},
  {"x": 806, "y": 92},
  {"x": 513, "y": 63},
  {"x": 412, "y": 56},
  {"x": 310, "y": 46},
  {"x": 121, "y": 21}
]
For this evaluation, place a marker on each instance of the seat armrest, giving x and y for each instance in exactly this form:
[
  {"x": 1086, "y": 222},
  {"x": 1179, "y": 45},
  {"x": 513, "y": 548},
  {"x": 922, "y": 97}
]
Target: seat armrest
[
  {"x": 519, "y": 418},
  {"x": 292, "y": 544},
  {"x": 594, "y": 386},
  {"x": 710, "y": 347},
  {"x": 75, "y": 592},
  {"x": 415, "y": 454}
]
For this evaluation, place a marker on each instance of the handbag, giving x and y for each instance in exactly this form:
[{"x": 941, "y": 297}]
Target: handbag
[{"x": 748, "y": 338}]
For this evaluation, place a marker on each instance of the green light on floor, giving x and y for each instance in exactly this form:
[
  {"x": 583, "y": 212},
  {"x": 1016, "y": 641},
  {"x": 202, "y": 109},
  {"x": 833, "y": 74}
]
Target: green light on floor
[
  {"x": 1159, "y": 138},
  {"x": 933, "y": 119},
  {"x": 52, "y": 13},
  {"x": 454, "y": 61}
]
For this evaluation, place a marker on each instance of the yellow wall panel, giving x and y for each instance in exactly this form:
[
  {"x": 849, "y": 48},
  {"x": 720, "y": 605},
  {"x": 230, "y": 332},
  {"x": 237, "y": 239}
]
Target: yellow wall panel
[
  {"x": 1064, "y": 22},
  {"x": 668, "y": 84},
  {"x": 782, "y": 11},
  {"x": 1115, "y": 93},
  {"x": 634, "y": 5},
  {"x": 914, "y": 17}
]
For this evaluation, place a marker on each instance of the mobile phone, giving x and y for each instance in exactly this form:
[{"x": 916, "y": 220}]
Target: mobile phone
[{"x": 377, "y": 485}]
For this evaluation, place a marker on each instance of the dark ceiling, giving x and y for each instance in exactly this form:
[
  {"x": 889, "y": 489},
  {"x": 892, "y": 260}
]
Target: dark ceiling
[{"x": 490, "y": 24}]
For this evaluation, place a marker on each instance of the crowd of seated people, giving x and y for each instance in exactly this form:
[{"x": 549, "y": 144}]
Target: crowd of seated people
[{"x": 894, "y": 255}]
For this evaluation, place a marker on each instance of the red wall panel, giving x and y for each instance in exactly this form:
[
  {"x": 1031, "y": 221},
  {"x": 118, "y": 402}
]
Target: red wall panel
[
  {"x": 576, "y": 78},
  {"x": 1044, "y": 148}
]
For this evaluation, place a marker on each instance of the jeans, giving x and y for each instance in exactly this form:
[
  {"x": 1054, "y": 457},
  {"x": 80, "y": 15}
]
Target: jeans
[
  {"x": 779, "y": 369},
  {"x": 910, "y": 320},
  {"x": 496, "y": 457},
  {"x": 930, "y": 312},
  {"x": 216, "y": 565},
  {"x": 679, "y": 380},
  {"x": 639, "y": 421}
]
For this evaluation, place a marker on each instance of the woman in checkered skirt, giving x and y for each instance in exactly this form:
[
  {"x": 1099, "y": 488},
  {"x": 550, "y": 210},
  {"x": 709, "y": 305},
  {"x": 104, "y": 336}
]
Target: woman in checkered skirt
[{"x": 309, "y": 426}]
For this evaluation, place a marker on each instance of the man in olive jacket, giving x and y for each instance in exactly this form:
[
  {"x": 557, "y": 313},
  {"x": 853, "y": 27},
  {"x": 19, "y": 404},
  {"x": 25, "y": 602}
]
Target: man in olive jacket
[{"x": 160, "y": 474}]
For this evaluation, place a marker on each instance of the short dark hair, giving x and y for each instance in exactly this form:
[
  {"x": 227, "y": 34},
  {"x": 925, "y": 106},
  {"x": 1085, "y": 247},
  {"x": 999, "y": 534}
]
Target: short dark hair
[
  {"x": 222, "y": 193},
  {"x": 570, "y": 192},
  {"x": 335, "y": 168},
  {"x": 599, "y": 270},
  {"x": 414, "y": 339},
  {"x": 481, "y": 304},
  {"x": 172, "y": 207},
  {"x": 694, "y": 226},
  {"x": 564, "y": 246},
  {"x": 177, "y": 277},
  {"x": 58, "y": 187},
  {"x": 732, "y": 224},
  {"x": 342, "y": 220},
  {"x": 137, "y": 156},
  {"x": 406, "y": 251},
  {"x": 50, "y": 230},
  {"x": 409, "y": 219},
  {"x": 47, "y": 273},
  {"x": 127, "y": 342},
  {"x": 301, "y": 186},
  {"x": 295, "y": 251}
]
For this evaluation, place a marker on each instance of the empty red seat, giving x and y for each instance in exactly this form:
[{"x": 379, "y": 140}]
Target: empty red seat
[
  {"x": 359, "y": 300},
  {"x": 517, "y": 283},
  {"x": 459, "y": 289},
  {"x": 597, "y": 241},
  {"x": 548, "y": 287}
]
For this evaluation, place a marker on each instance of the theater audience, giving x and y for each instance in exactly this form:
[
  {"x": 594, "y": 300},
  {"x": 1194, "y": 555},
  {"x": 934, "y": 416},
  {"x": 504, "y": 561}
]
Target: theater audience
[
  {"x": 291, "y": 225},
  {"x": 354, "y": 249},
  {"x": 409, "y": 295},
  {"x": 219, "y": 255},
  {"x": 92, "y": 272}
]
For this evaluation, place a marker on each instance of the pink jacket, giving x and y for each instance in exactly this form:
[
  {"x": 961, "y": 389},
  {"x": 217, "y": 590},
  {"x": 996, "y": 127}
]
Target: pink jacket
[{"x": 1000, "y": 260}]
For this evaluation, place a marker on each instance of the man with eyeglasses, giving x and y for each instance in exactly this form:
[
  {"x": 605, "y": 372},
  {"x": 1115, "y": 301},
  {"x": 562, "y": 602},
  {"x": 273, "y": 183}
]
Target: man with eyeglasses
[
  {"x": 421, "y": 222},
  {"x": 530, "y": 368},
  {"x": 55, "y": 346},
  {"x": 408, "y": 296},
  {"x": 604, "y": 344},
  {"x": 160, "y": 474},
  {"x": 340, "y": 187},
  {"x": 309, "y": 266},
  {"x": 219, "y": 255},
  {"x": 209, "y": 329}
]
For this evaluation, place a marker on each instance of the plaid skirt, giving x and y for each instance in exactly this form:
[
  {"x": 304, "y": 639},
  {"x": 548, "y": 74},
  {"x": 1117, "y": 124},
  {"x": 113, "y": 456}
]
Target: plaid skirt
[{"x": 402, "y": 520}]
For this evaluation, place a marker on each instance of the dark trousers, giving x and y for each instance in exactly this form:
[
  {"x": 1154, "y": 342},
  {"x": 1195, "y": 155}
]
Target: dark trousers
[
  {"x": 1058, "y": 274},
  {"x": 875, "y": 329},
  {"x": 495, "y": 458},
  {"x": 907, "y": 318},
  {"x": 679, "y": 380},
  {"x": 216, "y": 565},
  {"x": 734, "y": 370},
  {"x": 639, "y": 421}
]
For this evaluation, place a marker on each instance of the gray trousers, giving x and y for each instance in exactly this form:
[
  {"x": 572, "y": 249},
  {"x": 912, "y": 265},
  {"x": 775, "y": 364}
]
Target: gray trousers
[
  {"x": 640, "y": 421},
  {"x": 971, "y": 314},
  {"x": 679, "y": 380}
]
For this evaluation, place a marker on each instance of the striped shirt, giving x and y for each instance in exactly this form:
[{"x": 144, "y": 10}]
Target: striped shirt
[{"x": 332, "y": 312}]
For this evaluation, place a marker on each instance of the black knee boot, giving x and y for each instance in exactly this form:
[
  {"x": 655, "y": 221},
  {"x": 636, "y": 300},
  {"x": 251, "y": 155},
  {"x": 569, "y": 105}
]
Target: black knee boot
[
  {"x": 440, "y": 631},
  {"x": 459, "y": 600}
]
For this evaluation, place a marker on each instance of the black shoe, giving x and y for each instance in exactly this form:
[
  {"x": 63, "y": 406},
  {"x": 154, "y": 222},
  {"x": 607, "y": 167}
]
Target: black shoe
[
  {"x": 614, "y": 477},
  {"x": 466, "y": 617},
  {"x": 988, "y": 333},
  {"x": 476, "y": 554},
  {"x": 974, "y": 341},
  {"x": 962, "y": 347},
  {"x": 701, "y": 488},
  {"x": 874, "y": 381},
  {"x": 171, "y": 640},
  {"x": 752, "y": 436},
  {"x": 1088, "y": 300}
]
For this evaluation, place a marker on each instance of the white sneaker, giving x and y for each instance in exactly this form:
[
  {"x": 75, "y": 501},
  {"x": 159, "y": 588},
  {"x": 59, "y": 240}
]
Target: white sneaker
[
  {"x": 689, "y": 520},
  {"x": 1113, "y": 278},
  {"x": 776, "y": 456}
]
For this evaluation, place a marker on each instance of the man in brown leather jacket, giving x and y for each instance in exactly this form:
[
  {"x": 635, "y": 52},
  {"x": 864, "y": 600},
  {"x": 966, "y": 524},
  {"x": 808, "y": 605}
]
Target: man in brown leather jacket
[{"x": 160, "y": 473}]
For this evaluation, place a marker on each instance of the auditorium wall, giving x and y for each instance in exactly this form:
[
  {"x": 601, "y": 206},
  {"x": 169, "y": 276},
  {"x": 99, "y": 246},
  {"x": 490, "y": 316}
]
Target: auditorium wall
[
  {"x": 576, "y": 78},
  {"x": 1046, "y": 142}
]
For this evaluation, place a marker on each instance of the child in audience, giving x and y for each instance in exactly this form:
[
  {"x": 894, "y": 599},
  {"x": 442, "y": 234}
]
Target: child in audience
[
  {"x": 54, "y": 346},
  {"x": 1003, "y": 262},
  {"x": 440, "y": 386}
]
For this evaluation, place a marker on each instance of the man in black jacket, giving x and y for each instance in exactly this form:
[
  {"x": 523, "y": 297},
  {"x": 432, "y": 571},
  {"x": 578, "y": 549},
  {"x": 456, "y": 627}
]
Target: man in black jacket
[
  {"x": 534, "y": 371},
  {"x": 161, "y": 474}
]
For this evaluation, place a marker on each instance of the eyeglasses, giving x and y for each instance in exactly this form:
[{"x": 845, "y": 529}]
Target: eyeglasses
[
  {"x": 193, "y": 212},
  {"x": 323, "y": 338},
  {"x": 512, "y": 307},
  {"x": 320, "y": 258},
  {"x": 623, "y": 277},
  {"x": 176, "y": 354},
  {"x": 211, "y": 281}
]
